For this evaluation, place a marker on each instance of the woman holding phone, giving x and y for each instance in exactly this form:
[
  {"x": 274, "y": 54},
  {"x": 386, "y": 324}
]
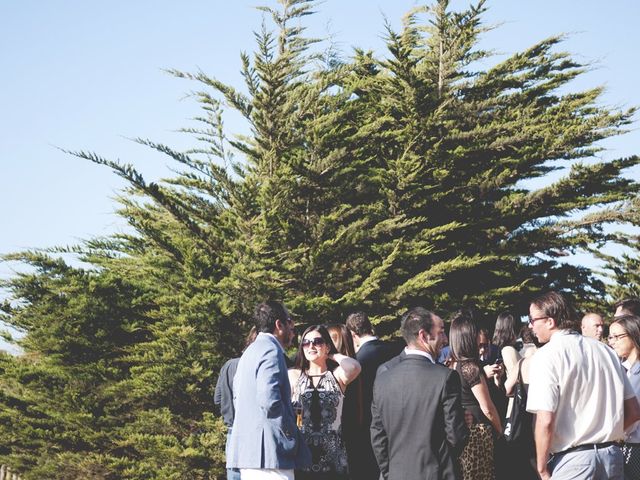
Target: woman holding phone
[{"x": 477, "y": 459}]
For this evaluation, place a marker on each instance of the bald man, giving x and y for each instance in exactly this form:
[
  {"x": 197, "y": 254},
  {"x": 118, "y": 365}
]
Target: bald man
[{"x": 592, "y": 325}]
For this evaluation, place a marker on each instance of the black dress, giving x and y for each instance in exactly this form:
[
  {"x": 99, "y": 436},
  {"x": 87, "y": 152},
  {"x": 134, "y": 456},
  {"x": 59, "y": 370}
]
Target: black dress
[{"x": 476, "y": 459}]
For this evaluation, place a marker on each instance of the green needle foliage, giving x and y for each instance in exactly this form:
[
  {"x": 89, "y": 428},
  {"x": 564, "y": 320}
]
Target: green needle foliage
[{"x": 377, "y": 183}]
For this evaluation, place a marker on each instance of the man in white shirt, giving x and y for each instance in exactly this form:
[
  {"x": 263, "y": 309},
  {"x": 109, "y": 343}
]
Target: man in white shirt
[{"x": 581, "y": 397}]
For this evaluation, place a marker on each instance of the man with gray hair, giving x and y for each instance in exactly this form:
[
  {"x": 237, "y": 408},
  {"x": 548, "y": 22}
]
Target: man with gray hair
[
  {"x": 592, "y": 325},
  {"x": 581, "y": 396},
  {"x": 416, "y": 389}
]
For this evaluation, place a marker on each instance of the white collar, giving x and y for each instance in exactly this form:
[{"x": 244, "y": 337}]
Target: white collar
[
  {"x": 561, "y": 333},
  {"x": 412, "y": 351}
]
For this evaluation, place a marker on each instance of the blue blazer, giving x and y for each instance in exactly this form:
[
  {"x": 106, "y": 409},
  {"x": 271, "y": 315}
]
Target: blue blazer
[{"x": 264, "y": 433}]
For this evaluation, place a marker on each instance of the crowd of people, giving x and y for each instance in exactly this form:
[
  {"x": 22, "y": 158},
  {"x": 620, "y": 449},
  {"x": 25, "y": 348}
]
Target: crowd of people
[{"x": 549, "y": 398}]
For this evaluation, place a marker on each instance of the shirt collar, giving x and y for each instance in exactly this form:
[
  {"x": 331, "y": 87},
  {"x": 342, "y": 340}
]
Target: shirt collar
[
  {"x": 561, "y": 333},
  {"x": 412, "y": 351},
  {"x": 266, "y": 334},
  {"x": 367, "y": 339},
  {"x": 632, "y": 369}
]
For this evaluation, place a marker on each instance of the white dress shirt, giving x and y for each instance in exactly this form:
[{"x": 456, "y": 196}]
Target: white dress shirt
[
  {"x": 583, "y": 383},
  {"x": 412, "y": 351}
]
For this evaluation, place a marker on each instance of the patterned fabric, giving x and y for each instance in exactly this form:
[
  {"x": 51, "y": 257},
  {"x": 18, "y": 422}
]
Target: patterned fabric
[
  {"x": 631, "y": 453},
  {"x": 477, "y": 457},
  {"x": 321, "y": 428}
]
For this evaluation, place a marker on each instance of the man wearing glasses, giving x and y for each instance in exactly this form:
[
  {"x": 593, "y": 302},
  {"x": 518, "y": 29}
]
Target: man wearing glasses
[
  {"x": 581, "y": 397},
  {"x": 265, "y": 442}
]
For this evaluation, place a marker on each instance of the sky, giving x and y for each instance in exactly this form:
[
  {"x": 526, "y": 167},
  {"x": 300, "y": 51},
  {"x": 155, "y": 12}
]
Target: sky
[{"x": 81, "y": 75}]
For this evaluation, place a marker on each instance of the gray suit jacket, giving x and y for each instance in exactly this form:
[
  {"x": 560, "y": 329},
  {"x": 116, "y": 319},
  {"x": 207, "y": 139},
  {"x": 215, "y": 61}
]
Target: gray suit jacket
[
  {"x": 418, "y": 427},
  {"x": 264, "y": 433}
]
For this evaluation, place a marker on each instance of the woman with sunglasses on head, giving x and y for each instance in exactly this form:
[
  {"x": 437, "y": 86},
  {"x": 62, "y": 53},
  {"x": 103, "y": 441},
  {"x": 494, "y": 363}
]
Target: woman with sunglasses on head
[
  {"x": 624, "y": 338},
  {"x": 318, "y": 382}
]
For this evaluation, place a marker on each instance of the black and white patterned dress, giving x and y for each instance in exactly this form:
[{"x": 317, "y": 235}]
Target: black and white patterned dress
[{"x": 321, "y": 422}]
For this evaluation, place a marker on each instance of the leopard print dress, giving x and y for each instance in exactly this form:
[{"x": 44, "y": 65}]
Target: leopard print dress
[{"x": 476, "y": 460}]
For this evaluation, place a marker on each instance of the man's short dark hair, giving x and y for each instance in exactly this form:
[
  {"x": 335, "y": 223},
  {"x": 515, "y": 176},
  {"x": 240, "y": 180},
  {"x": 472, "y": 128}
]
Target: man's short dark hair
[
  {"x": 559, "y": 308},
  {"x": 359, "y": 323},
  {"x": 630, "y": 306},
  {"x": 413, "y": 321},
  {"x": 266, "y": 315}
]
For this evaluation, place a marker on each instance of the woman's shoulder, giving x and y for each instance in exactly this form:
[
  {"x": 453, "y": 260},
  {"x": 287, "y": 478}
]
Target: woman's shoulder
[
  {"x": 510, "y": 354},
  {"x": 469, "y": 371},
  {"x": 294, "y": 374}
]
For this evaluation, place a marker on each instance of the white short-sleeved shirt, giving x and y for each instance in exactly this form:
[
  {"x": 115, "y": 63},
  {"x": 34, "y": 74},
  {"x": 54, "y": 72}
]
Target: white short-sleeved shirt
[{"x": 582, "y": 381}]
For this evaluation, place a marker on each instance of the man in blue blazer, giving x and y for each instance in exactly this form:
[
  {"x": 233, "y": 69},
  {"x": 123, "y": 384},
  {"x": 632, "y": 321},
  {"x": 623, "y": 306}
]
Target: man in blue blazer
[{"x": 265, "y": 441}]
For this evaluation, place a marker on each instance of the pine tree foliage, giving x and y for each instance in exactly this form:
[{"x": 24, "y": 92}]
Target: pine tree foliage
[
  {"x": 622, "y": 269},
  {"x": 421, "y": 177},
  {"x": 457, "y": 146}
]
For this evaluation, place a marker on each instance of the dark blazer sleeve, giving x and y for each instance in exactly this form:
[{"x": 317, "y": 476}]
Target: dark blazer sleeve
[
  {"x": 222, "y": 377},
  {"x": 455, "y": 428},
  {"x": 379, "y": 438}
]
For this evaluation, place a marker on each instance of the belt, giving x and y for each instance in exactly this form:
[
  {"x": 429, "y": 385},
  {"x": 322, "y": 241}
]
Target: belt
[{"x": 587, "y": 446}]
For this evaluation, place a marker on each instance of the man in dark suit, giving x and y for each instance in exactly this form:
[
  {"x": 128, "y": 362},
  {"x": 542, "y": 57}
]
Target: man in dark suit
[
  {"x": 371, "y": 352},
  {"x": 417, "y": 428}
]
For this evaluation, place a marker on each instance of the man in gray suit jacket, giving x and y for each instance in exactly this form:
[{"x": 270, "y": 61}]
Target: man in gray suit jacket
[
  {"x": 417, "y": 428},
  {"x": 265, "y": 441}
]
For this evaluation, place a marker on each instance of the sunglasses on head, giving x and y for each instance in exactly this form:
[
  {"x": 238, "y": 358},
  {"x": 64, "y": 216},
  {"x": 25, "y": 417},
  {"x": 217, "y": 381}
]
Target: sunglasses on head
[{"x": 316, "y": 341}]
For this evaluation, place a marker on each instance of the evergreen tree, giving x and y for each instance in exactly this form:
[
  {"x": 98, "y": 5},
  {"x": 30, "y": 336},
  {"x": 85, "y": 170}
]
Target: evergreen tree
[
  {"x": 457, "y": 145},
  {"x": 623, "y": 270},
  {"x": 376, "y": 183}
]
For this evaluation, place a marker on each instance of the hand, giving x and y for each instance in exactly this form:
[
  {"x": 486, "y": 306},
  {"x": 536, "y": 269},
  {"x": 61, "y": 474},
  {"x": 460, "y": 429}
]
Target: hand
[
  {"x": 545, "y": 475},
  {"x": 491, "y": 370}
]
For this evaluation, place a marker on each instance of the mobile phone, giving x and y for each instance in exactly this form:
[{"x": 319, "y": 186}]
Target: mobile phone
[{"x": 498, "y": 361}]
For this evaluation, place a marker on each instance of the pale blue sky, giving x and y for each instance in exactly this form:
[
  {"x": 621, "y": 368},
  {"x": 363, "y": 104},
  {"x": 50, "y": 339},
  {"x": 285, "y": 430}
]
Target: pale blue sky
[{"x": 87, "y": 75}]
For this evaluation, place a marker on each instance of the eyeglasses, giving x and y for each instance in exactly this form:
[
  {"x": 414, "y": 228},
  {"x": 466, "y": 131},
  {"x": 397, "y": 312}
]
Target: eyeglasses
[
  {"x": 316, "y": 342},
  {"x": 615, "y": 338},
  {"x": 532, "y": 320}
]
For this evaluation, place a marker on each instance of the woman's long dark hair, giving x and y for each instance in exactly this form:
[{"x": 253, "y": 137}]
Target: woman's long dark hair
[
  {"x": 463, "y": 338},
  {"x": 343, "y": 339},
  {"x": 301, "y": 361},
  {"x": 505, "y": 333},
  {"x": 631, "y": 326},
  {"x": 528, "y": 337},
  {"x": 353, "y": 394}
]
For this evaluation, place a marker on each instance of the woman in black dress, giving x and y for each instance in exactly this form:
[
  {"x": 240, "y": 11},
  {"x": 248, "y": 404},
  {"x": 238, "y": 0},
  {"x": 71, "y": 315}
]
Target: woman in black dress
[{"x": 482, "y": 418}]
